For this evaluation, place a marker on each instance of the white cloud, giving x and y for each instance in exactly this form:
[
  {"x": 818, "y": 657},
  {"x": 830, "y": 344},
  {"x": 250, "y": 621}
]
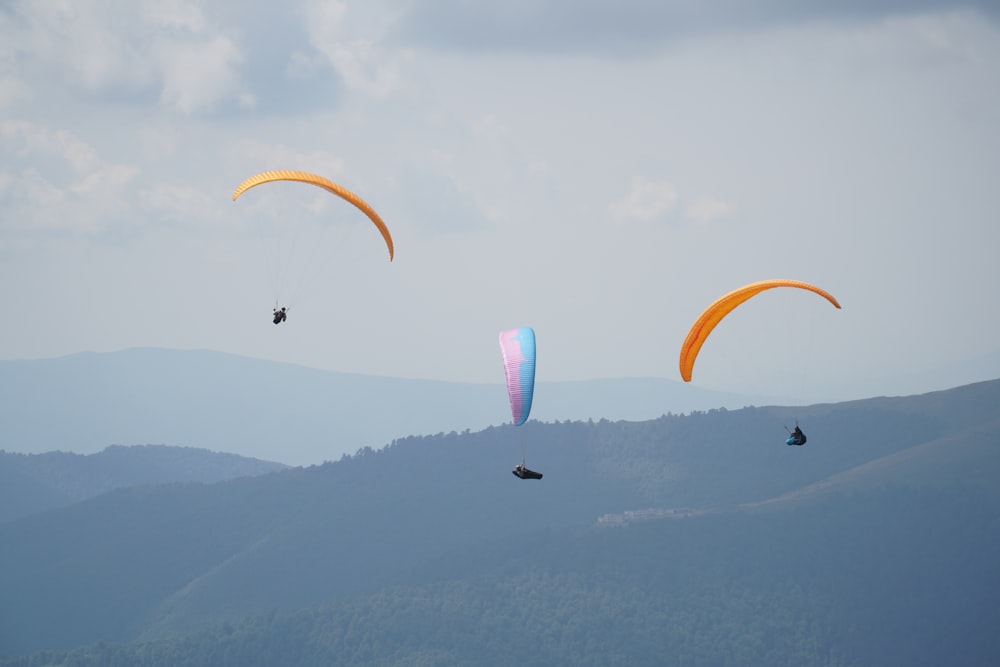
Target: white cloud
[
  {"x": 57, "y": 181},
  {"x": 112, "y": 177},
  {"x": 167, "y": 49},
  {"x": 77, "y": 44},
  {"x": 353, "y": 62},
  {"x": 28, "y": 138},
  {"x": 33, "y": 187},
  {"x": 706, "y": 210},
  {"x": 363, "y": 66},
  {"x": 176, "y": 14},
  {"x": 179, "y": 203},
  {"x": 646, "y": 202},
  {"x": 198, "y": 76},
  {"x": 489, "y": 126},
  {"x": 11, "y": 87}
]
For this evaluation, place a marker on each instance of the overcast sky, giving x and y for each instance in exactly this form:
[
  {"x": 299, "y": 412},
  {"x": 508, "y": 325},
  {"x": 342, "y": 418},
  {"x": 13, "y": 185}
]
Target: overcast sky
[{"x": 599, "y": 170}]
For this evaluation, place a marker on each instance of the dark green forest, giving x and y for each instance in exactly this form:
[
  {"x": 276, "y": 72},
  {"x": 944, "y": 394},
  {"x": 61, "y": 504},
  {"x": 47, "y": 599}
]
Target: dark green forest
[{"x": 875, "y": 544}]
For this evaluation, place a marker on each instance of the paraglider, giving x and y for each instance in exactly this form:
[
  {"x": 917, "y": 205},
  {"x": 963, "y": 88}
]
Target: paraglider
[
  {"x": 521, "y": 471},
  {"x": 517, "y": 346},
  {"x": 326, "y": 184},
  {"x": 796, "y": 437},
  {"x": 712, "y": 315},
  {"x": 321, "y": 182}
]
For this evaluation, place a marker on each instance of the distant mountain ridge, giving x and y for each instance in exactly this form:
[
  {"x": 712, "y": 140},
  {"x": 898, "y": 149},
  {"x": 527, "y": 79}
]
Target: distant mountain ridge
[
  {"x": 283, "y": 412},
  {"x": 31, "y": 483}
]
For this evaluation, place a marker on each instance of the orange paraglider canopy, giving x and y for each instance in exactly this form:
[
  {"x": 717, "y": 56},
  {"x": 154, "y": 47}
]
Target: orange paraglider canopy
[
  {"x": 326, "y": 184},
  {"x": 712, "y": 315}
]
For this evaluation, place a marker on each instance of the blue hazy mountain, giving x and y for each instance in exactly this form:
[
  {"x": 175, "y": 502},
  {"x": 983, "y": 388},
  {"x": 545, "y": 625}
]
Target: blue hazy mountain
[
  {"x": 282, "y": 412},
  {"x": 31, "y": 483},
  {"x": 698, "y": 538}
]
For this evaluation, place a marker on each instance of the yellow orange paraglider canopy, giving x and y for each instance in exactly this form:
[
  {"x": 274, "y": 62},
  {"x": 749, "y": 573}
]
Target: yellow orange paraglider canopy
[
  {"x": 723, "y": 306},
  {"x": 326, "y": 184}
]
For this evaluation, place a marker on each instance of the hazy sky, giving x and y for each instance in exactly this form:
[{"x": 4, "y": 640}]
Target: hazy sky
[{"x": 599, "y": 170}]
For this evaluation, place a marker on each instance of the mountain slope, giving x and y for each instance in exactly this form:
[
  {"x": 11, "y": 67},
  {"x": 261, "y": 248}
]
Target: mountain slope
[
  {"x": 163, "y": 561},
  {"x": 31, "y": 483},
  {"x": 875, "y": 571}
]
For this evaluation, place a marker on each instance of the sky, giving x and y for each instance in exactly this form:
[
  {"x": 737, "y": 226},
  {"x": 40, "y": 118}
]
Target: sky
[{"x": 600, "y": 171}]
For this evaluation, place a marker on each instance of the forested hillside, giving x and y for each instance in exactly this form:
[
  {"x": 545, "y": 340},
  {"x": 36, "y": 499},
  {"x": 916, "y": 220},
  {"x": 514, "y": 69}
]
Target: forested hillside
[
  {"x": 877, "y": 577},
  {"x": 874, "y": 544}
]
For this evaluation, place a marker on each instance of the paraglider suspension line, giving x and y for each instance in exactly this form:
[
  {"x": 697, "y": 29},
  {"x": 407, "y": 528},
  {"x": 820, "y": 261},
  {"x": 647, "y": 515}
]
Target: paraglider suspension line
[{"x": 523, "y": 446}]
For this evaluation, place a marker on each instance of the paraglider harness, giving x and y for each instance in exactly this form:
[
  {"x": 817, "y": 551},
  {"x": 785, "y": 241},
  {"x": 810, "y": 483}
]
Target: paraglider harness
[
  {"x": 280, "y": 315},
  {"x": 796, "y": 437},
  {"x": 521, "y": 471}
]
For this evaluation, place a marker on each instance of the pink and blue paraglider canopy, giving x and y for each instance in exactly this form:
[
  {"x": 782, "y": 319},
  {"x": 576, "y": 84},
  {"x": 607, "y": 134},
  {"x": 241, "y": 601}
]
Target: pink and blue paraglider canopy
[{"x": 518, "y": 349}]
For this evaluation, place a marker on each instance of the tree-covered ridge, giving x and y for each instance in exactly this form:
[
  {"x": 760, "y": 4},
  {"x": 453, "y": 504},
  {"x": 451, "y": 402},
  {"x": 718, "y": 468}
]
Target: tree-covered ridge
[
  {"x": 32, "y": 483},
  {"x": 879, "y": 577},
  {"x": 439, "y": 523}
]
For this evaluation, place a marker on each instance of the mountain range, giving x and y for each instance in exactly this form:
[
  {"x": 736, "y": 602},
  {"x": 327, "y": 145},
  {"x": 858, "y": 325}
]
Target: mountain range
[
  {"x": 282, "y": 412},
  {"x": 31, "y": 483},
  {"x": 686, "y": 539}
]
